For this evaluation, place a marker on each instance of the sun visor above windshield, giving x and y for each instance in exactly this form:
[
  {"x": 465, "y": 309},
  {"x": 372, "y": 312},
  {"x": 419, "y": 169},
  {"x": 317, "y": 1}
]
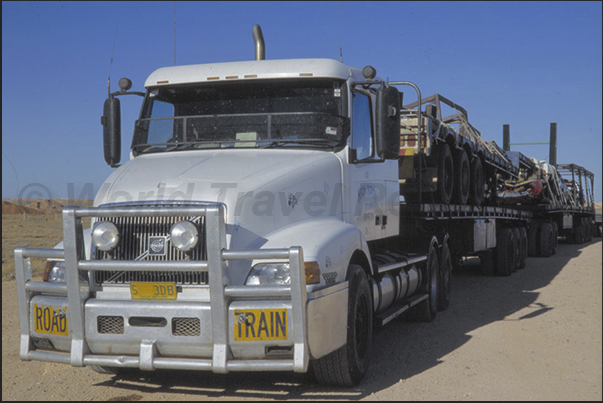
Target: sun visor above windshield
[{"x": 249, "y": 70}]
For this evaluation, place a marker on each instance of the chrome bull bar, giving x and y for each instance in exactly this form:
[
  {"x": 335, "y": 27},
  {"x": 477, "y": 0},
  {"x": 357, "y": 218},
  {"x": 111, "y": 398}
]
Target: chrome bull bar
[{"x": 77, "y": 290}]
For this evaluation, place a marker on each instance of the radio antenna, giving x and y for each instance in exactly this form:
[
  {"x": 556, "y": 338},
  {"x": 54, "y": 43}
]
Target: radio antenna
[
  {"x": 174, "y": 33},
  {"x": 111, "y": 64},
  {"x": 340, "y": 47}
]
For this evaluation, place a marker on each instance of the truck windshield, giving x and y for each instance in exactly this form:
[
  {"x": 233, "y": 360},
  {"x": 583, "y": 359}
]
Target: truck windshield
[{"x": 261, "y": 114}]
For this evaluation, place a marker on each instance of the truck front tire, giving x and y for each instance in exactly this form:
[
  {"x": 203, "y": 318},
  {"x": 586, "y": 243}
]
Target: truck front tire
[{"x": 348, "y": 365}]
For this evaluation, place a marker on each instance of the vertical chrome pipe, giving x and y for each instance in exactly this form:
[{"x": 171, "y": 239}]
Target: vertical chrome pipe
[{"x": 258, "y": 40}]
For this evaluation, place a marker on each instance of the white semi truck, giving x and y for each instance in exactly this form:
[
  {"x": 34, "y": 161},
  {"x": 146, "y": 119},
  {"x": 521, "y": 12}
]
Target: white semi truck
[{"x": 258, "y": 226}]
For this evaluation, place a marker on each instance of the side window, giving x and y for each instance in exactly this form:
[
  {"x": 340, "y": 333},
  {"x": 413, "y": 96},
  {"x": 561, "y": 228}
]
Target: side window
[
  {"x": 362, "y": 128},
  {"x": 162, "y": 109},
  {"x": 161, "y": 130}
]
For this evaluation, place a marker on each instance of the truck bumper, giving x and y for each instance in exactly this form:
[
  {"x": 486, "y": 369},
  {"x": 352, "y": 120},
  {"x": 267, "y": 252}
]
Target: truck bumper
[{"x": 64, "y": 323}]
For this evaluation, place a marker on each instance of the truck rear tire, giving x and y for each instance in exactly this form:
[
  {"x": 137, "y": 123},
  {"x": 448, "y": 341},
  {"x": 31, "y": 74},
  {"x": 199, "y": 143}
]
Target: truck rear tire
[
  {"x": 533, "y": 239},
  {"x": 462, "y": 180},
  {"x": 426, "y": 310},
  {"x": 348, "y": 365},
  {"x": 545, "y": 239},
  {"x": 445, "y": 278},
  {"x": 516, "y": 250},
  {"x": 578, "y": 233},
  {"x": 523, "y": 247},
  {"x": 445, "y": 175},
  {"x": 488, "y": 262},
  {"x": 589, "y": 229}
]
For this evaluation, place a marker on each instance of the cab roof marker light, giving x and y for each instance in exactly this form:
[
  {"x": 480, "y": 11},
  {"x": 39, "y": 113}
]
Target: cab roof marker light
[
  {"x": 306, "y": 74},
  {"x": 232, "y": 77},
  {"x": 213, "y": 78},
  {"x": 251, "y": 76},
  {"x": 163, "y": 82}
]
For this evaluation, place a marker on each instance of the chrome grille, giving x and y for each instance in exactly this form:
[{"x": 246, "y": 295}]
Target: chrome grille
[
  {"x": 110, "y": 324},
  {"x": 186, "y": 327},
  {"x": 126, "y": 277},
  {"x": 135, "y": 234}
]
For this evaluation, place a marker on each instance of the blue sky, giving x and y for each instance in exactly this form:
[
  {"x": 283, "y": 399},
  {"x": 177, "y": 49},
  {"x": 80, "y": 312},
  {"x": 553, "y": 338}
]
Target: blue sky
[{"x": 525, "y": 64}]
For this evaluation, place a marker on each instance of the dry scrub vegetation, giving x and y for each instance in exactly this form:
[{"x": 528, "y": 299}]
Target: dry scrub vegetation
[{"x": 30, "y": 230}]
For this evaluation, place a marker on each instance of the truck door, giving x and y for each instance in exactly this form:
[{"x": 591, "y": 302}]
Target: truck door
[{"x": 373, "y": 184}]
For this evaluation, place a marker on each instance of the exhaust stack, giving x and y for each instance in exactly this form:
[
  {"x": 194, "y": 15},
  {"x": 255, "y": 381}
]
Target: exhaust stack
[{"x": 258, "y": 40}]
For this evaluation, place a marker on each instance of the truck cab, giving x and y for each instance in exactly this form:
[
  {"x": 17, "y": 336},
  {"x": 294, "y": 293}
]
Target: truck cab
[{"x": 237, "y": 236}]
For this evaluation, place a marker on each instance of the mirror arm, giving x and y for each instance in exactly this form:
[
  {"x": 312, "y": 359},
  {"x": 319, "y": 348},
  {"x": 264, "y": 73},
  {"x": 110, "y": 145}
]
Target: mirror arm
[{"x": 116, "y": 93}]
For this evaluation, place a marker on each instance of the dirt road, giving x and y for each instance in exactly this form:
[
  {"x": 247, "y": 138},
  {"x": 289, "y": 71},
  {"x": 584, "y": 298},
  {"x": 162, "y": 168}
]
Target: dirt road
[{"x": 533, "y": 336}]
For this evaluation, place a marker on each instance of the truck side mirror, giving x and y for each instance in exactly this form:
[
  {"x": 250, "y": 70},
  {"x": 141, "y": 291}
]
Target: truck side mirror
[
  {"x": 388, "y": 123},
  {"x": 111, "y": 121}
]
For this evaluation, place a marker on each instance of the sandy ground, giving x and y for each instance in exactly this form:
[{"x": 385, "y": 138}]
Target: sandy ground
[{"x": 533, "y": 336}]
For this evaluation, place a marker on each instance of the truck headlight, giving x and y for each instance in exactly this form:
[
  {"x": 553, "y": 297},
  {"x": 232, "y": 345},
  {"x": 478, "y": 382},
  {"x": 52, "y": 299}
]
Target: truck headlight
[
  {"x": 270, "y": 274},
  {"x": 280, "y": 274},
  {"x": 184, "y": 235},
  {"x": 54, "y": 271},
  {"x": 105, "y": 235}
]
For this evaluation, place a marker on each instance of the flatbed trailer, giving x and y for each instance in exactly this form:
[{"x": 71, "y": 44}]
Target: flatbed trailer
[
  {"x": 570, "y": 210},
  {"x": 482, "y": 231}
]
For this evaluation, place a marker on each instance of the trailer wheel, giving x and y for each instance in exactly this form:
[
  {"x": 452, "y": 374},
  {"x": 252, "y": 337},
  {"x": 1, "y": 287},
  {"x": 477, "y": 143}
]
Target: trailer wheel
[
  {"x": 523, "y": 246},
  {"x": 445, "y": 278},
  {"x": 579, "y": 232},
  {"x": 462, "y": 178},
  {"x": 546, "y": 239},
  {"x": 445, "y": 175},
  {"x": 348, "y": 365},
  {"x": 533, "y": 239},
  {"x": 555, "y": 237},
  {"x": 589, "y": 229},
  {"x": 505, "y": 255},
  {"x": 426, "y": 310},
  {"x": 516, "y": 250},
  {"x": 476, "y": 187}
]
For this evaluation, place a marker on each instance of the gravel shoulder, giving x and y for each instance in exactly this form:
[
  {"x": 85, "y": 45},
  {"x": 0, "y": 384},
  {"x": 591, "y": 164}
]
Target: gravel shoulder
[{"x": 533, "y": 336}]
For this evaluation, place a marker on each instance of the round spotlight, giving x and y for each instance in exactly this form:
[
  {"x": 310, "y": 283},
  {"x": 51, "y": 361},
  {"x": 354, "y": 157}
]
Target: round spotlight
[
  {"x": 369, "y": 72},
  {"x": 125, "y": 84},
  {"x": 184, "y": 235},
  {"x": 105, "y": 235}
]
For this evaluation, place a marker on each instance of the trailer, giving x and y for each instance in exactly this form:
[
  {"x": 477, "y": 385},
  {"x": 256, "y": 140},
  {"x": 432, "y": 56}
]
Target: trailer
[{"x": 270, "y": 217}]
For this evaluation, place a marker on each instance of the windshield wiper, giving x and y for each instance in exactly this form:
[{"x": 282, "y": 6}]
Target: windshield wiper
[
  {"x": 302, "y": 142},
  {"x": 189, "y": 145}
]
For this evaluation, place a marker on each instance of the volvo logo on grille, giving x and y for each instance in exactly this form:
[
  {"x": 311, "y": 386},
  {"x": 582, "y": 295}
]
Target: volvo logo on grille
[{"x": 157, "y": 245}]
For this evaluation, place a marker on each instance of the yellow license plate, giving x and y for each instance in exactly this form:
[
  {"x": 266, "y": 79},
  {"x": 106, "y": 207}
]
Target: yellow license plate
[
  {"x": 153, "y": 290},
  {"x": 260, "y": 324},
  {"x": 51, "y": 320}
]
